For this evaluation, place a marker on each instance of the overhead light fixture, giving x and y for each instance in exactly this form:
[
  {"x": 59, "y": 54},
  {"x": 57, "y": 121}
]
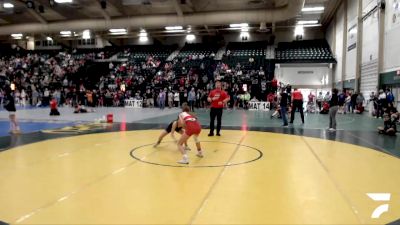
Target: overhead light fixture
[
  {"x": 244, "y": 29},
  {"x": 65, "y": 32},
  {"x": 175, "y": 31},
  {"x": 86, "y": 34},
  {"x": 244, "y": 34},
  {"x": 143, "y": 39},
  {"x": 16, "y": 35},
  {"x": 313, "y": 9},
  {"x": 118, "y": 33},
  {"x": 63, "y": 1},
  {"x": 142, "y": 31},
  {"x": 8, "y": 5},
  {"x": 299, "y": 30},
  {"x": 238, "y": 25},
  {"x": 174, "y": 28},
  {"x": 141, "y": 34},
  {"x": 306, "y": 22},
  {"x": 190, "y": 37},
  {"x": 49, "y": 38},
  {"x": 118, "y": 30},
  {"x": 30, "y": 4}
]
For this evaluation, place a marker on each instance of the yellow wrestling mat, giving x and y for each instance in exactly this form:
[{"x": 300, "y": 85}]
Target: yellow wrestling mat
[{"x": 244, "y": 178}]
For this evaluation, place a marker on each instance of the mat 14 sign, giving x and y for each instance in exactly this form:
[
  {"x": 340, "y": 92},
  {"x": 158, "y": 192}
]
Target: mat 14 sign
[
  {"x": 133, "y": 103},
  {"x": 259, "y": 106}
]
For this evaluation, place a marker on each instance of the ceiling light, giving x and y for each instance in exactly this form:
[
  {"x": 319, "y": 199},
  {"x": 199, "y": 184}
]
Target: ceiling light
[
  {"x": 86, "y": 34},
  {"x": 30, "y": 4},
  {"x": 304, "y": 22},
  {"x": 143, "y": 39},
  {"x": 119, "y": 30},
  {"x": 299, "y": 30},
  {"x": 16, "y": 35},
  {"x": 174, "y": 28},
  {"x": 119, "y": 33},
  {"x": 142, "y": 34},
  {"x": 142, "y": 31},
  {"x": 63, "y": 1},
  {"x": 313, "y": 9},
  {"x": 65, "y": 32},
  {"x": 49, "y": 38},
  {"x": 238, "y": 25},
  {"x": 190, "y": 37},
  {"x": 244, "y": 29},
  {"x": 175, "y": 31},
  {"x": 7, "y": 5},
  {"x": 244, "y": 34}
]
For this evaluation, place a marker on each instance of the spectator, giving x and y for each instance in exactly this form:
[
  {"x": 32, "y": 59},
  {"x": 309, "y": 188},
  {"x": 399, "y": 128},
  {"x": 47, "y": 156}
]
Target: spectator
[
  {"x": 333, "y": 109},
  {"x": 192, "y": 99},
  {"x": 389, "y": 126},
  {"x": 53, "y": 108},
  {"x": 218, "y": 98},
  {"x": 9, "y": 105}
]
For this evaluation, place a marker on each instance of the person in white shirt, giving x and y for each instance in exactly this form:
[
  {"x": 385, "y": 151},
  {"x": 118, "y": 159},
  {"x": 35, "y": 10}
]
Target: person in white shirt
[{"x": 320, "y": 99}]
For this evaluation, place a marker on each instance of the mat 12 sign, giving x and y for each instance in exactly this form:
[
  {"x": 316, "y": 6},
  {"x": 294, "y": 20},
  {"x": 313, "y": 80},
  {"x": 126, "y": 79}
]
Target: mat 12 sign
[{"x": 259, "y": 106}]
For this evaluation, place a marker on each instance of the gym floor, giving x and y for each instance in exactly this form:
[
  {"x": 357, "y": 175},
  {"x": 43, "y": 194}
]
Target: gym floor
[{"x": 72, "y": 170}]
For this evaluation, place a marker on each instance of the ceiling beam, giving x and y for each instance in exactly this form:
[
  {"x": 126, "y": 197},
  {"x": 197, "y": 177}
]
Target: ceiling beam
[
  {"x": 177, "y": 7},
  {"x": 105, "y": 14},
  {"x": 191, "y": 6},
  {"x": 67, "y": 14},
  {"x": 117, "y": 6},
  {"x": 206, "y": 27},
  {"x": 37, "y": 16},
  {"x": 331, "y": 7}
]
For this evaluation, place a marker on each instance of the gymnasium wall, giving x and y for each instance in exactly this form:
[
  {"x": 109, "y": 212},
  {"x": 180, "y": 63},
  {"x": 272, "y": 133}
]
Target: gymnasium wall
[
  {"x": 370, "y": 48},
  {"x": 337, "y": 28},
  {"x": 352, "y": 35},
  {"x": 392, "y": 36},
  {"x": 304, "y": 75}
]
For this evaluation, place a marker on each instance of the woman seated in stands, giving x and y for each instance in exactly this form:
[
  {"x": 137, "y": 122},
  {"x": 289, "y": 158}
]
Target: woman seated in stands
[{"x": 389, "y": 125}]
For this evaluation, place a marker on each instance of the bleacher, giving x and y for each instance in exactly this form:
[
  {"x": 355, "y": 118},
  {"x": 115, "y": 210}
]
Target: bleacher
[
  {"x": 139, "y": 53},
  {"x": 241, "y": 52},
  {"x": 95, "y": 53},
  {"x": 194, "y": 51},
  {"x": 311, "y": 51}
]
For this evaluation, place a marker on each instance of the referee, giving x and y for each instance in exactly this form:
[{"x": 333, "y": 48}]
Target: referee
[
  {"x": 297, "y": 103},
  {"x": 218, "y": 98}
]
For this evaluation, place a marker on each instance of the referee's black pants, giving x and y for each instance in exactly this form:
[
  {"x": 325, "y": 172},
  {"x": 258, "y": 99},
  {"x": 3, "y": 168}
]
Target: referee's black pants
[
  {"x": 297, "y": 104},
  {"x": 215, "y": 112}
]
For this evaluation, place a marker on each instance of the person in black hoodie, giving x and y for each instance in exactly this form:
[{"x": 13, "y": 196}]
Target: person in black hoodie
[
  {"x": 389, "y": 125},
  {"x": 333, "y": 109},
  {"x": 9, "y": 105}
]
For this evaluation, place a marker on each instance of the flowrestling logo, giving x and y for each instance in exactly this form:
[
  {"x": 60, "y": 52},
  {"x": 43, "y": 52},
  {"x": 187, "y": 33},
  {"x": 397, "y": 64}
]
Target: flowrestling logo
[{"x": 380, "y": 197}]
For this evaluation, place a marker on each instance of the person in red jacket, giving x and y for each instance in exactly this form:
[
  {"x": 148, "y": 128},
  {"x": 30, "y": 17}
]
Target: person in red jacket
[
  {"x": 218, "y": 98},
  {"x": 53, "y": 108},
  {"x": 297, "y": 103}
]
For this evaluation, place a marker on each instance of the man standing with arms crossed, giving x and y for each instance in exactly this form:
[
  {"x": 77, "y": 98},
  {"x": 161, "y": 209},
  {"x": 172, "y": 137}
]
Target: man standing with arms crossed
[{"x": 218, "y": 98}]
